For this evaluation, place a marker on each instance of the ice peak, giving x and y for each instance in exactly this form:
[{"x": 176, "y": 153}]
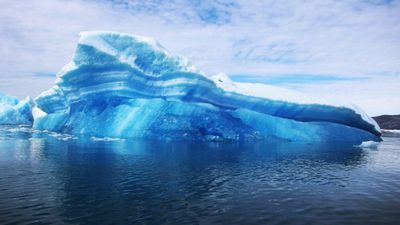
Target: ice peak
[
  {"x": 140, "y": 52},
  {"x": 223, "y": 81},
  {"x": 222, "y": 78}
]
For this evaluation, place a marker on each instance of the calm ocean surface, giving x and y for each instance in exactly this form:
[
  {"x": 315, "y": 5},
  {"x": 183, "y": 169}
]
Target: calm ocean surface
[{"x": 46, "y": 178}]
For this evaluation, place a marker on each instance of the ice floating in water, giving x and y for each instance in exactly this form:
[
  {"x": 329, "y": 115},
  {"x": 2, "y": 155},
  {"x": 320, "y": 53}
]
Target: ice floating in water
[
  {"x": 15, "y": 112},
  {"x": 37, "y": 134},
  {"x": 368, "y": 144},
  {"x": 126, "y": 86},
  {"x": 61, "y": 137},
  {"x": 106, "y": 139}
]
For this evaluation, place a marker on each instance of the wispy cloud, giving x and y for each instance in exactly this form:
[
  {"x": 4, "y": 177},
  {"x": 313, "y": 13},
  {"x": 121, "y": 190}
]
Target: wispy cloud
[
  {"x": 291, "y": 80},
  {"x": 349, "y": 39}
]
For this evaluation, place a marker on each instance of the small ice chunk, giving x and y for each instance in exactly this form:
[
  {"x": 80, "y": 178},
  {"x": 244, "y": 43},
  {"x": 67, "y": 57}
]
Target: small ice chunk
[{"x": 369, "y": 144}]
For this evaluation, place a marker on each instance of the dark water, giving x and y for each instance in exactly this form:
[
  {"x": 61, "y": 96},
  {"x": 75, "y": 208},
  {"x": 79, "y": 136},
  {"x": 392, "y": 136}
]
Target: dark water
[{"x": 47, "y": 180}]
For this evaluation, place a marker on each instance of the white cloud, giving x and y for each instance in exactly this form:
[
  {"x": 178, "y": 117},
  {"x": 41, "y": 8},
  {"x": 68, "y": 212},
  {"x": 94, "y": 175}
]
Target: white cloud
[
  {"x": 356, "y": 38},
  {"x": 376, "y": 96}
]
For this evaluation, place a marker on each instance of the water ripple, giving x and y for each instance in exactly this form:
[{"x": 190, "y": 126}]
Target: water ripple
[{"x": 46, "y": 179}]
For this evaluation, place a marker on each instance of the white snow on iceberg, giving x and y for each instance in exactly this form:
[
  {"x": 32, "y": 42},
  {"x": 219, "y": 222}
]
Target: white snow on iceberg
[
  {"x": 124, "y": 86},
  {"x": 15, "y": 112}
]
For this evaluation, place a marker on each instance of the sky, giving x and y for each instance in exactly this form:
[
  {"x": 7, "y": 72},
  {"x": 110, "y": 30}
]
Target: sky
[{"x": 343, "y": 50}]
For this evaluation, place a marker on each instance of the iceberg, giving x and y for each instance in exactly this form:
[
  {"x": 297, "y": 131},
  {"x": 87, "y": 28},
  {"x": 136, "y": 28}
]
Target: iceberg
[
  {"x": 125, "y": 86},
  {"x": 15, "y": 112}
]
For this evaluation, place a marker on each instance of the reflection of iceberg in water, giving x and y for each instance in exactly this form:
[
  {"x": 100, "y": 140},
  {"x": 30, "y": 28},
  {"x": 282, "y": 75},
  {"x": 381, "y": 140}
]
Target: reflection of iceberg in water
[
  {"x": 140, "y": 180},
  {"x": 125, "y": 86},
  {"x": 126, "y": 175}
]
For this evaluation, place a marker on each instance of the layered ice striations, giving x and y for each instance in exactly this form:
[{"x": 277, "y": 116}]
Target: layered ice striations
[
  {"x": 15, "y": 112},
  {"x": 125, "y": 86}
]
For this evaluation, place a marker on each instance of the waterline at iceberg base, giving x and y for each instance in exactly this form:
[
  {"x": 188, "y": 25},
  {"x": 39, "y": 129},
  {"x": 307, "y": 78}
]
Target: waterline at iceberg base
[{"x": 125, "y": 86}]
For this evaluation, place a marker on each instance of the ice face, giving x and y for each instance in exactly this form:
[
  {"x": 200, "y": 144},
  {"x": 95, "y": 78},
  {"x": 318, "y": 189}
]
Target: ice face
[
  {"x": 14, "y": 112},
  {"x": 126, "y": 86}
]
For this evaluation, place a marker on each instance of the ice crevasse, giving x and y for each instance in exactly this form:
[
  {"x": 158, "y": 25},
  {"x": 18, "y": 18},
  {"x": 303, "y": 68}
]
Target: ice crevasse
[{"x": 126, "y": 86}]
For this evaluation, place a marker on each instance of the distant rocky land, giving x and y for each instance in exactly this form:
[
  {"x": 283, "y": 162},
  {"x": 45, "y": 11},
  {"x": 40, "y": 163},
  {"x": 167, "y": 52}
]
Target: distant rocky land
[{"x": 390, "y": 122}]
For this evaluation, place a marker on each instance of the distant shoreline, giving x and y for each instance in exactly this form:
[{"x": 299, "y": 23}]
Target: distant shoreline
[{"x": 388, "y": 122}]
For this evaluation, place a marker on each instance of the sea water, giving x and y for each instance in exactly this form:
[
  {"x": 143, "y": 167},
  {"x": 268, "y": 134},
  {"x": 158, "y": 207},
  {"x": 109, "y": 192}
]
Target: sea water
[{"x": 50, "y": 178}]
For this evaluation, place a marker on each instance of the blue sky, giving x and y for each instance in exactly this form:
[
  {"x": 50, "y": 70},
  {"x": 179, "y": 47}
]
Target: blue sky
[{"x": 341, "y": 50}]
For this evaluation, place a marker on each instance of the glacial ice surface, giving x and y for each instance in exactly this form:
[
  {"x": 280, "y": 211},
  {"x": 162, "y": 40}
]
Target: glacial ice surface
[
  {"x": 125, "y": 86},
  {"x": 15, "y": 112}
]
